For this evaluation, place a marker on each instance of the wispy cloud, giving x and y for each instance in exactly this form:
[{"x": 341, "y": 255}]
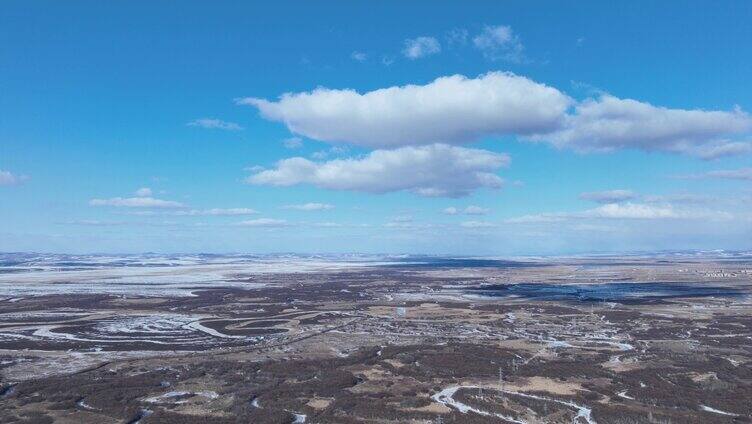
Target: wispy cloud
[
  {"x": 476, "y": 210},
  {"x": 469, "y": 210},
  {"x": 722, "y": 148},
  {"x": 310, "y": 207},
  {"x": 98, "y": 223},
  {"x": 679, "y": 198},
  {"x": 212, "y": 123},
  {"x": 216, "y": 212},
  {"x": 9, "y": 179},
  {"x": 726, "y": 174},
  {"x": 144, "y": 192},
  {"x": 137, "y": 202},
  {"x": 623, "y": 211},
  {"x": 292, "y": 143},
  {"x": 608, "y": 196},
  {"x": 143, "y": 199},
  {"x": 332, "y": 151},
  {"x": 265, "y": 223},
  {"x": 358, "y": 56},
  {"x": 95, "y": 223},
  {"x": 416, "y": 48},
  {"x": 457, "y": 37},
  {"x": 633, "y": 211},
  {"x": 500, "y": 43},
  {"x": 409, "y": 225},
  {"x": 477, "y": 224}
]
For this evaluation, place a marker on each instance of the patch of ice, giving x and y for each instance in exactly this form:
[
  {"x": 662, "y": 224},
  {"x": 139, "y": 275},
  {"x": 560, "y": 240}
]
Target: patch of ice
[
  {"x": 624, "y": 395},
  {"x": 84, "y": 405},
  {"x": 717, "y": 411},
  {"x": 446, "y": 397},
  {"x": 196, "y": 325},
  {"x": 176, "y": 393}
]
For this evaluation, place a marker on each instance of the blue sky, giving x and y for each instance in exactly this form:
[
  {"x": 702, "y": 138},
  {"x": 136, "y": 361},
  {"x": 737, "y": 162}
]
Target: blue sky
[{"x": 494, "y": 128}]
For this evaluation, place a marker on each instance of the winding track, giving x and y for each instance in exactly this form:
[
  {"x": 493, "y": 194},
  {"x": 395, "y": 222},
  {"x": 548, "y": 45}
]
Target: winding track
[{"x": 446, "y": 398}]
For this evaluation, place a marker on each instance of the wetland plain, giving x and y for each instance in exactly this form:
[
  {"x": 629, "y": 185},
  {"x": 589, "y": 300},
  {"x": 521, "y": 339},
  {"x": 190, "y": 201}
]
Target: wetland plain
[{"x": 381, "y": 339}]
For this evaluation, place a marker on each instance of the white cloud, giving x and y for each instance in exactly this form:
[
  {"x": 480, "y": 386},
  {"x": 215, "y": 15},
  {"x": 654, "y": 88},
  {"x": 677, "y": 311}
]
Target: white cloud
[
  {"x": 332, "y": 151},
  {"x": 434, "y": 170},
  {"x": 94, "y": 222},
  {"x": 292, "y": 143},
  {"x": 476, "y": 210},
  {"x": 729, "y": 174},
  {"x": 264, "y": 222},
  {"x": 328, "y": 224},
  {"x": 402, "y": 218},
  {"x": 452, "y": 109},
  {"x": 358, "y": 56},
  {"x": 609, "y": 123},
  {"x": 500, "y": 43},
  {"x": 216, "y": 212},
  {"x": 457, "y": 37},
  {"x": 469, "y": 210},
  {"x": 721, "y": 148},
  {"x": 406, "y": 222},
  {"x": 144, "y": 192},
  {"x": 623, "y": 211},
  {"x": 456, "y": 109},
  {"x": 87, "y": 222},
  {"x": 679, "y": 198},
  {"x": 609, "y": 196},
  {"x": 212, "y": 123},
  {"x": 415, "y": 48},
  {"x": 9, "y": 179},
  {"x": 477, "y": 224},
  {"x": 632, "y": 211},
  {"x": 537, "y": 218},
  {"x": 197, "y": 212},
  {"x": 137, "y": 202},
  {"x": 310, "y": 207}
]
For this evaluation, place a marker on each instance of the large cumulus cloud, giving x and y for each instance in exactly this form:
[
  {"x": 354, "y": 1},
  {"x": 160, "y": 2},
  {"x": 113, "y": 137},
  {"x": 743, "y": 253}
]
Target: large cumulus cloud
[
  {"x": 433, "y": 170},
  {"x": 456, "y": 109}
]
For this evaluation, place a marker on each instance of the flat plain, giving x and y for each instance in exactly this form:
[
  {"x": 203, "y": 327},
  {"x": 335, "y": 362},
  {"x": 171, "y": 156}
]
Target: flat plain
[{"x": 282, "y": 339}]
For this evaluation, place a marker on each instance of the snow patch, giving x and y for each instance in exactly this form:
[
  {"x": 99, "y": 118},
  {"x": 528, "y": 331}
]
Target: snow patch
[{"x": 717, "y": 411}]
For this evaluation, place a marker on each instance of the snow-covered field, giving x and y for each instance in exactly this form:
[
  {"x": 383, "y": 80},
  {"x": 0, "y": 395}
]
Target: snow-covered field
[{"x": 24, "y": 275}]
